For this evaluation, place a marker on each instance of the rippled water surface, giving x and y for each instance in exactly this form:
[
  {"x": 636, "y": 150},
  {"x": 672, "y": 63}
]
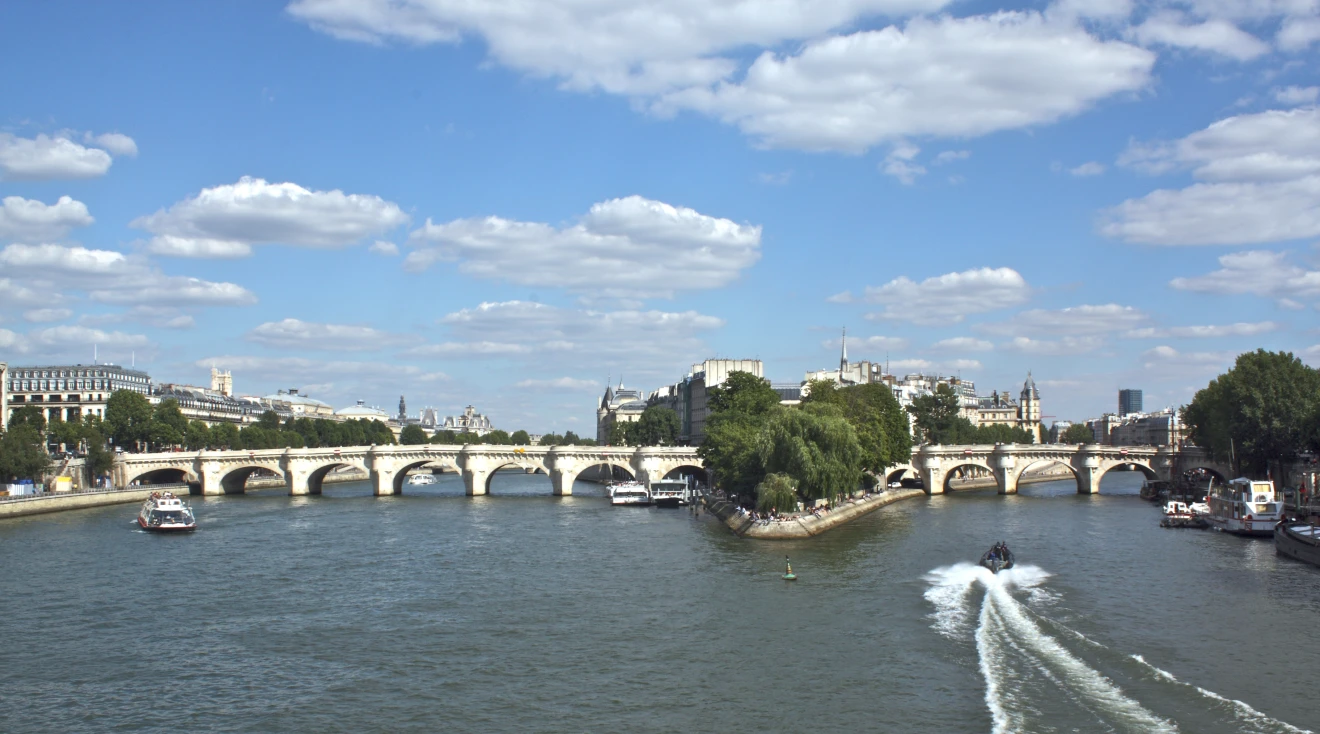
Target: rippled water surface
[{"x": 521, "y": 611}]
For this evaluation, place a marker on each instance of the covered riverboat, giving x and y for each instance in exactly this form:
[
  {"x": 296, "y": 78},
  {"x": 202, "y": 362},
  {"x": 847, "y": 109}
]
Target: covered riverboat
[
  {"x": 1180, "y": 515},
  {"x": 629, "y": 494},
  {"x": 998, "y": 558},
  {"x": 164, "y": 513},
  {"x": 1299, "y": 540},
  {"x": 1245, "y": 507}
]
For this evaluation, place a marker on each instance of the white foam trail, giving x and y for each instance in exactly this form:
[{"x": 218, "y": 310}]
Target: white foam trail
[
  {"x": 1084, "y": 680},
  {"x": 988, "y": 653},
  {"x": 1242, "y": 709},
  {"x": 950, "y": 591}
]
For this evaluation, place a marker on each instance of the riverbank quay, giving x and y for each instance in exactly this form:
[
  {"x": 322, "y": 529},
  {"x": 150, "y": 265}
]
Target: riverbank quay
[
  {"x": 803, "y": 526},
  {"x": 60, "y": 501}
]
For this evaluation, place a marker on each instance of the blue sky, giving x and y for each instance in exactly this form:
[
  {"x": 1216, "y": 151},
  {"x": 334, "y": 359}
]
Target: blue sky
[{"x": 507, "y": 203}]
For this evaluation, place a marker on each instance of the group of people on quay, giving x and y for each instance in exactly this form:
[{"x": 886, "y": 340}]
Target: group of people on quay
[{"x": 766, "y": 517}]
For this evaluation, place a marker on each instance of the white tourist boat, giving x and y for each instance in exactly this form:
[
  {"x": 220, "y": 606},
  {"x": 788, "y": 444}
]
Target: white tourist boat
[
  {"x": 629, "y": 493},
  {"x": 1244, "y": 507},
  {"x": 669, "y": 492},
  {"x": 164, "y": 513},
  {"x": 422, "y": 479}
]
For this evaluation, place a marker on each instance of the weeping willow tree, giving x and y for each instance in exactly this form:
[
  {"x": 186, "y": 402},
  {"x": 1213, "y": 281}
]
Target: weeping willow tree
[
  {"x": 816, "y": 447},
  {"x": 777, "y": 492}
]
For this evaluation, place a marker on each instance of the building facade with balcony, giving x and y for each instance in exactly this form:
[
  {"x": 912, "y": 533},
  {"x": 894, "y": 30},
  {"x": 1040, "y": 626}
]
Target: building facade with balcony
[{"x": 69, "y": 392}]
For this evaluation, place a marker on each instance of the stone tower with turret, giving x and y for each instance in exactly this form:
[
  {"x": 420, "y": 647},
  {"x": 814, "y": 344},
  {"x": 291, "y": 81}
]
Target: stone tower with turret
[{"x": 1029, "y": 408}]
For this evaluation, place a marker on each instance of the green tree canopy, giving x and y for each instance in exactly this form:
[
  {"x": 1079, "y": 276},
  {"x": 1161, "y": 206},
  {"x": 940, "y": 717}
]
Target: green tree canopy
[
  {"x": 551, "y": 439},
  {"x": 128, "y": 416},
  {"x": 874, "y": 413},
  {"x": 739, "y": 409},
  {"x": 413, "y": 436},
  {"x": 497, "y": 438},
  {"x": 657, "y": 426},
  {"x": 23, "y": 453},
  {"x": 520, "y": 438},
  {"x": 269, "y": 420},
  {"x": 621, "y": 433},
  {"x": 936, "y": 416},
  {"x": 198, "y": 436},
  {"x": 1077, "y": 433},
  {"x": 816, "y": 446},
  {"x": 28, "y": 415},
  {"x": 443, "y": 437},
  {"x": 776, "y": 492},
  {"x": 224, "y": 436},
  {"x": 1260, "y": 412}
]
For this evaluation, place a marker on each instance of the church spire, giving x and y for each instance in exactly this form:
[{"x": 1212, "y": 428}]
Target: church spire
[{"x": 843, "y": 358}]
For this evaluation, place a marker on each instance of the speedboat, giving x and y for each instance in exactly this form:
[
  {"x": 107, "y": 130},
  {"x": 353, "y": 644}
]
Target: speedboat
[
  {"x": 164, "y": 513},
  {"x": 629, "y": 493},
  {"x": 998, "y": 558}
]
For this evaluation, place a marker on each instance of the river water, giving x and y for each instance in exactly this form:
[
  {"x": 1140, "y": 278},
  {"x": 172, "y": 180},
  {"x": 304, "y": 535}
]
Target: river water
[{"x": 520, "y": 611}]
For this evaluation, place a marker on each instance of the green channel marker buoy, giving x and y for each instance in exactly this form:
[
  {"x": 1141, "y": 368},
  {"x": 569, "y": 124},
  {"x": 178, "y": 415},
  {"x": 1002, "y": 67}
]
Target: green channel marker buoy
[{"x": 788, "y": 571}]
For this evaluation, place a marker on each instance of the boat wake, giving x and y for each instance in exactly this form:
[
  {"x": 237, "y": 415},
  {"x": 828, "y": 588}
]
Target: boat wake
[{"x": 1042, "y": 676}]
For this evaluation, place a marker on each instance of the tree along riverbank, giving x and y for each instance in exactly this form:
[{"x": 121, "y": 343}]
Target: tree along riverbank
[{"x": 807, "y": 525}]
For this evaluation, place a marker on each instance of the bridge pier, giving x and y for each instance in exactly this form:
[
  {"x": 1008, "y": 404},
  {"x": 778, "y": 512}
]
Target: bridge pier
[
  {"x": 1087, "y": 465},
  {"x": 475, "y": 481},
  {"x": 1005, "y": 469},
  {"x": 932, "y": 476},
  {"x": 563, "y": 481},
  {"x": 382, "y": 482}
]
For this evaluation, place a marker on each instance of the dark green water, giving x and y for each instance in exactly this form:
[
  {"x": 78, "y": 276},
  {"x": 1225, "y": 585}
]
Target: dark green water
[{"x": 524, "y": 612}]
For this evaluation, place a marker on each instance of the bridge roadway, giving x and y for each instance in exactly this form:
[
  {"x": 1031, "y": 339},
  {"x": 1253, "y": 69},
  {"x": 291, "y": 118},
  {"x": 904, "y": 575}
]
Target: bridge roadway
[
  {"x": 934, "y": 465},
  {"x": 226, "y": 472}
]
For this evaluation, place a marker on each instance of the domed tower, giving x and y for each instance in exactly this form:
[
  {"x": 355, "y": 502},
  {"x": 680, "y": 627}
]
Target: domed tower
[{"x": 1029, "y": 407}]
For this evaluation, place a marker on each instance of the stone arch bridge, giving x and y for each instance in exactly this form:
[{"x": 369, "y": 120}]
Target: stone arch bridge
[
  {"x": 225, "y": 472},
  {"x": 1087, "y": 462}
]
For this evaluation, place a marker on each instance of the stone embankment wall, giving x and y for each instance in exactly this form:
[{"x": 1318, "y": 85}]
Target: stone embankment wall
[
  {"x": 22, "y": 506},
  {"x": 807, "y": 525}
]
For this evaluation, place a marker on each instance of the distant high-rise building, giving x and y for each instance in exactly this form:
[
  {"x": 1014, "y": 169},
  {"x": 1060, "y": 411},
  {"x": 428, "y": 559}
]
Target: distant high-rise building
[
  {"x": 403, "y": 410},
  {"x": 1129, "y": 401}
]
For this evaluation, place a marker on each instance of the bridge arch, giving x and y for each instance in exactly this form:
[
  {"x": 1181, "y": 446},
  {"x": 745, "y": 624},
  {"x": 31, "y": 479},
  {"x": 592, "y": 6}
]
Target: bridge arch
[
  {"x": 1105, "y": 467},
  {"x": 1041, "y": 463},
  {"x": 401, "y": 474},
  {"x": 316, "y": 478},
  {"x": 526, "y": 467},
  {"x": 953, "y": 469},
  {"x": 166, "y": 475},
  {"x": 233, "y": 479},
  {"x": 898, "y": 473},
  {"x": 691, "y": 470}
]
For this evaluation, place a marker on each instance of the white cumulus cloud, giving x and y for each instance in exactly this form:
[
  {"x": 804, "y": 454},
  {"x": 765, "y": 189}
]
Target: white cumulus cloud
[
  {"x": 1259, "y": 179},
  {"x": 47, "y": 315},
  {"x": 948, "y": 298},
  {"x": 113, "y": 277},
  {"x": 293, "y": 334},
  {"x": 962, "y": 344},
  {"x": 1258, "y": 272},
  {"x": 47, "y": 157},
  {"x": 1216, "y": 36},
  {"x": 628, "y": 248},
  {"x": 35, "y": 221},
  {"x": 227, "y": 220},
  {"x": 936, "y": 77},
  {"x": 1203, "y": 332}
]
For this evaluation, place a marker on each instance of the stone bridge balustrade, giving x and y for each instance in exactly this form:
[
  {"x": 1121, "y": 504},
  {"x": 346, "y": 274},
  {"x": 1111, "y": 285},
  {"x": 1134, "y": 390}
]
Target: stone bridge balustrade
[{"x": 225, "y": 472}]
